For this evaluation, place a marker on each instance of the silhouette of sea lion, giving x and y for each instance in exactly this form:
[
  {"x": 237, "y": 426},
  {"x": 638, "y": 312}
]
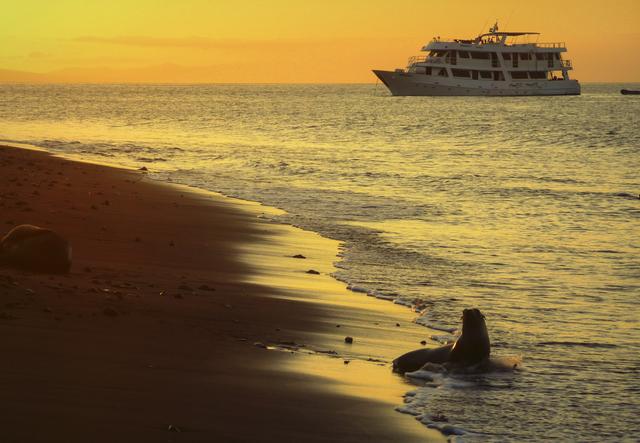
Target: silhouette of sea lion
[
  {"x": 472, "y": 347},
  {"x": 37, "y": 249}
]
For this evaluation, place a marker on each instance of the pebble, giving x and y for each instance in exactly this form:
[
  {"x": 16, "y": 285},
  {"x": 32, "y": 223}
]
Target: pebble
[
  {"x": 348, "y": 339},
  {"x": 299, "y": 256},
  {"x": 313, "y": 271}
]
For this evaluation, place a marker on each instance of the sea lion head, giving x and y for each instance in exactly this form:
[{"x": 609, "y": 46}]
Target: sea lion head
[
  {"x": 473, "y": 319},
  {"x": 473, "y": 345}
]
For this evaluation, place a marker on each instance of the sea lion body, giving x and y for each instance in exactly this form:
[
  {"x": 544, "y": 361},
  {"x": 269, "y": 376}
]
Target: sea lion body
[
  {"x": 32, "y": 248},
  {"x": 472, "y": 347}
]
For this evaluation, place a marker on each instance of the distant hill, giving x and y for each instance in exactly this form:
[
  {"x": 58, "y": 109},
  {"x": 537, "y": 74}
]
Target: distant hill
[
  {"x": 9, "y": 76},
  {"x": 173, "y": 73}
]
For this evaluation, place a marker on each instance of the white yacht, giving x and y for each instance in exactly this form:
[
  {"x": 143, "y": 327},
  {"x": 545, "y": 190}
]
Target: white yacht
[{"x": 491, "y": 64}]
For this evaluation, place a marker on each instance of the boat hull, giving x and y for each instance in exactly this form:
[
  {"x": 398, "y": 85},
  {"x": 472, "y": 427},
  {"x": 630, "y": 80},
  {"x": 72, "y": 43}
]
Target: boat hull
[{"x": 413, "y": 84}]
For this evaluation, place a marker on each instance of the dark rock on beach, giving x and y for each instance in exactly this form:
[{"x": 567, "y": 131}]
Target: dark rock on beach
[{"x": 35, "y": 249}]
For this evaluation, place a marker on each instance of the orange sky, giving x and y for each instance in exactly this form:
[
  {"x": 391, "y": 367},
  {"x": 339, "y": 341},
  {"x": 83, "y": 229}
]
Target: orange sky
[{"x": 290, "y": 40}]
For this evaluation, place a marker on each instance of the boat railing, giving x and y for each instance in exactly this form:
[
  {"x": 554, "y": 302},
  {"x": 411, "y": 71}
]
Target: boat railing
[
  {"x": 551, "y": 45},
  {"x": 427, "y": 59},
  {"x": 416, "y": 59}
]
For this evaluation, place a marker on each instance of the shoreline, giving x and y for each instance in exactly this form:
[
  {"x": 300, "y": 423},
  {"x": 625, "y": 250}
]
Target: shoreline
[{"x": 134, "y": 340}]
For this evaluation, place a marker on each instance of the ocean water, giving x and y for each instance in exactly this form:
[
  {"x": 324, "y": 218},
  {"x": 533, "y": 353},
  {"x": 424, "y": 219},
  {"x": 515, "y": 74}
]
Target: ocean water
[{"x": 527, "y": 208}]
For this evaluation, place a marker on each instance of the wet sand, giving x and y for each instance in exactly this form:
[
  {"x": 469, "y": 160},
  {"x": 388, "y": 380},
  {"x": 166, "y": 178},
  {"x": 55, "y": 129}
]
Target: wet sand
[{"x": 159, "y": 331}]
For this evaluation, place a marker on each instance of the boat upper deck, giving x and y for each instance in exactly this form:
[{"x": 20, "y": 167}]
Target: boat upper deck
[{"x": 495, "y": 41}]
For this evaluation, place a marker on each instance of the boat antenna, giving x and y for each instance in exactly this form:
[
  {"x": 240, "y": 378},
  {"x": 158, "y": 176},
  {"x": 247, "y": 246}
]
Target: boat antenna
[
  {"x": 506, "y": 23},
  {"x": 483, "y": 26}
]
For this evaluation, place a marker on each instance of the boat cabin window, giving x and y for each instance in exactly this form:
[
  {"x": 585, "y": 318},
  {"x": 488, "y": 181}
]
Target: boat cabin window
[
  {"x": 485, "y": 74},
  {"x": 461, "y": 73},
  {"x": 540, "y": 56},
  {"x": 506, "y": 55},
  {"x": 479, "y": 55},
  {"x": 463, "y": 54},
  {"x": 525, "y": 56},
  {"x": 538, "y": 74},
  {"x": 438, "y": 53},
  {"x": 519, "y": 75},
  {"x": 443, "y": 72},
  {"x": 556, "y": 55},
  {"x": 498, "y": 76},
  {"x": 427, "y": 70}
]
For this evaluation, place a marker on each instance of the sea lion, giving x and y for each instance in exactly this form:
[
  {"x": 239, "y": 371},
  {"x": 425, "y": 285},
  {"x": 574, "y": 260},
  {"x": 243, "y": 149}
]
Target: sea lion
[
  {"x": 472, "y": 347},
  {"x": 37, "y": 249}
]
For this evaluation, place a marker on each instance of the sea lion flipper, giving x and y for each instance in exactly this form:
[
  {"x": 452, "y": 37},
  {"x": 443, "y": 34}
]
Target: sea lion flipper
[{"x": 414, "y": 360}]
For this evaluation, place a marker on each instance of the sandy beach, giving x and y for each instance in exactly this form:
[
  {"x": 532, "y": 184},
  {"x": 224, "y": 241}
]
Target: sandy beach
[{"x": 185, "y": 317}]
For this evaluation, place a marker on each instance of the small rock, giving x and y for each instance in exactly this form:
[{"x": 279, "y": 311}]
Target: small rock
[
  {"x": 398, "y": 325},
  {"x": 299, "y": 256},
  {"x": 348, "y": 339},
  {"x": 439, "y": 417},
  {"x": 144, "y": 168},
  {"x": 171, "y": 428},
  {"x": 448, "y": 430},
  {"x": 346, "y": 362},
  {"x": 423, "y": 342},
  {"x": 313, "y": 271},
  {"x": 6, "y": 316}
]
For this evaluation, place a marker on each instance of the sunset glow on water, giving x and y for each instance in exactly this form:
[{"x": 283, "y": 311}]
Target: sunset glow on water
[{"x": 526, "y": 208}]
